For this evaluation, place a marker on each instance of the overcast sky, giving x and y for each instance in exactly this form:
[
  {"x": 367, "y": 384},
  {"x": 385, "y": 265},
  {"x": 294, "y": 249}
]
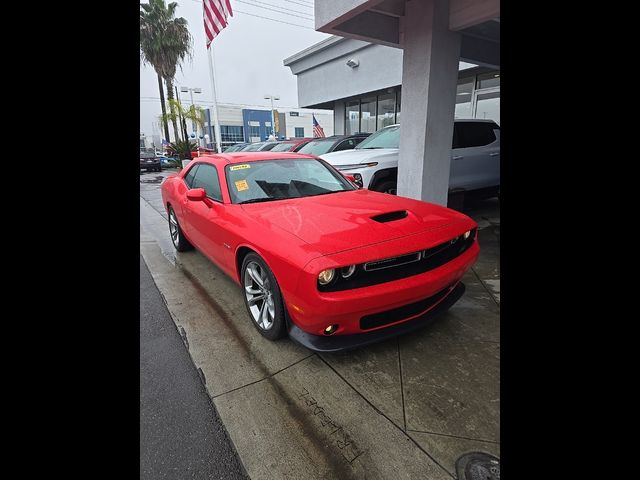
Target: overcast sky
[{"x": 248, "y": 56}]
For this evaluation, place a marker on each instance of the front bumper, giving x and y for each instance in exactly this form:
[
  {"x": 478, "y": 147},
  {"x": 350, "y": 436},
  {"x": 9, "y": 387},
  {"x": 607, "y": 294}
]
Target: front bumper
[{"x": 338, "y": 343}]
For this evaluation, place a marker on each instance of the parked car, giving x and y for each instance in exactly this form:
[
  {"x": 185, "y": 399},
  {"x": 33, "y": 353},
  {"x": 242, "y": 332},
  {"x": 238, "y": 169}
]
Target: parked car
[
  {"x": 235, "y": 148},
  {"x": 258, "y": 147},
  {"x": 475, "y": 159},
  {"x": 335, "y": 143},
  {"x": 150, "y": 162},
  {"x": 293, "y": 145},
  {"x": 202, "y": 151},
  {"x": 333, "y": 266}
]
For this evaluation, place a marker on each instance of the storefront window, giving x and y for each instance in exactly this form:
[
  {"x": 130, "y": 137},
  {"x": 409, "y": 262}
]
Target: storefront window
[
  {"x": 463, "y": 98},
  {"x": 352, "y": 117},
  {"x": 386, "y": 110},
  {"x": 368, "y": 115},
  {"x": 489, "y": 80},
  {"x": 488, "y": 106}
]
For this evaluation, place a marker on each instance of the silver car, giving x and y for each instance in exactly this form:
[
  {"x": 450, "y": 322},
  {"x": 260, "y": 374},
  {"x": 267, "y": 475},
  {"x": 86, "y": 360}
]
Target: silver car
[{"x": 475, "y": 158}]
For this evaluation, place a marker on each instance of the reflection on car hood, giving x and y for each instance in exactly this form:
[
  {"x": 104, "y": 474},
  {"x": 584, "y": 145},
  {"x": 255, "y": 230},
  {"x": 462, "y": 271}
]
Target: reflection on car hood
[
  {"x": 341, "y": 221},
  {"x": 347, "y": 157}
]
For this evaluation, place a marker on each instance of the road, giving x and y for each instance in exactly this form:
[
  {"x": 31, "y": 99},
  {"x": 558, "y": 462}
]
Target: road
[{"x": 181, "y": 435}]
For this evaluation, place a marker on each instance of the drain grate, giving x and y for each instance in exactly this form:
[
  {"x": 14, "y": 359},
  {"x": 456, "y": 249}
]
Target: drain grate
[{"x": 478, "y": 466}]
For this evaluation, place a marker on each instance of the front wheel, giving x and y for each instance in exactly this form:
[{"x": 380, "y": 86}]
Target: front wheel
[
  {"x": 177, "y": 237},
  {"x": 262, "y": 297}
]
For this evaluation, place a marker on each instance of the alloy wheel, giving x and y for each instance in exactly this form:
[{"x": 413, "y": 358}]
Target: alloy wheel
[
  {"x": 173, "y": 228},
  {"x": 259, "y": 295}
]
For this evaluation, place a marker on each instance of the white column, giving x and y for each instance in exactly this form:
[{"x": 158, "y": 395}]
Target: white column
[{"x": 429, "y": 78}]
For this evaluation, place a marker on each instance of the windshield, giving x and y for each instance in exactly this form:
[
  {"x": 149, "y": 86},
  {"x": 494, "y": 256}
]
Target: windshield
[
  {"x": 252, "y": 147},
  {"x": 317, "y": 147},
  {"x": 234, "y": 148},
  {"x": 282, "y": 147},
  {"x": 268, "y": 180},
  {"x": 388, "y": 137}
]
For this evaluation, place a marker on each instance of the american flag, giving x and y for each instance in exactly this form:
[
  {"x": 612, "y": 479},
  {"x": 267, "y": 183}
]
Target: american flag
[
  {"x": 216, "y": 13},
  {"x": 317, "y": 129}
]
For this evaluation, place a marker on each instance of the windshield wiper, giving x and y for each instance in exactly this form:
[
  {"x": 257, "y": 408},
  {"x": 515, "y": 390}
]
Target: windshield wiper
[
  {"x": 264, "y": 199},
  {"x": 369, "y": 148}
]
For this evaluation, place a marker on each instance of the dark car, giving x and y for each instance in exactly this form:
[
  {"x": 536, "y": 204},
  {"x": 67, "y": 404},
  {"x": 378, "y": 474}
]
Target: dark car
[
  {"x": 292, "y": 145},
  {"x": 258, "y": 147},
  {"x": 335, "y": 143},
  {"x": 150, "y": 162},
  {"x": 235, "y": 148}
]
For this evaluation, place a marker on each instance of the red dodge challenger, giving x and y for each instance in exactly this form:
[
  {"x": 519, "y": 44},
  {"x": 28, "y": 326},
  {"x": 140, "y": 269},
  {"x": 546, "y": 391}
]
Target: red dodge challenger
[{"x": 333, "y": 266}]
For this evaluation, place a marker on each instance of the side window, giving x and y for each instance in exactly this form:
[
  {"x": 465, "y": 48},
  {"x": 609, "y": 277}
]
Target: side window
[
  {"x": 474, "y": 134},
  {"x": 346, "y": 145},
  {"x": 188, "y": 178},
  {"x": 207, "y": 178},
  {"x": 456, "y": 136}
]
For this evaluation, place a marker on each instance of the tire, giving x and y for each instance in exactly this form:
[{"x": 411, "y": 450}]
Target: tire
[
  {"x": 388, "y": 186},
  {"x": 266, "y": 314},
  {"x": 178, "y": 239}
]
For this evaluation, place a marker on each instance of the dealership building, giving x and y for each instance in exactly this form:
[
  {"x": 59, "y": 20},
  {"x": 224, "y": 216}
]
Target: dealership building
[
  {"x": 420, "y": 63},
  {"x": 247, "y": 123},
  {"x": 365, "y": 95}
]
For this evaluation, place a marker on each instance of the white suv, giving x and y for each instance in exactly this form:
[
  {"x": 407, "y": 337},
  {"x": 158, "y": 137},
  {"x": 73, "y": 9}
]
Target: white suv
[{"x": 475, "y": 158}]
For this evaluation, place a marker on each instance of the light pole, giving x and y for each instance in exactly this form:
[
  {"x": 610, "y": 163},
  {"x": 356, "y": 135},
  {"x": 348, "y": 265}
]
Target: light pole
[
  {"x": 191, "y": 92},
  {"x": 273, "y": 123}
]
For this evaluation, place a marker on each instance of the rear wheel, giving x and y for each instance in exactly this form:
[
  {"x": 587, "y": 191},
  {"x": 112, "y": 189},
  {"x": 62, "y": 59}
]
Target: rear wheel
[
  {"x": 262, "y": 297},
  {"x": 177, "y": 237}
]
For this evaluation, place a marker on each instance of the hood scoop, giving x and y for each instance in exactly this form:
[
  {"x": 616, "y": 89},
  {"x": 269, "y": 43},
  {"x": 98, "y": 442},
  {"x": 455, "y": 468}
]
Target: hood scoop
[{"x": 390, "y": 216}]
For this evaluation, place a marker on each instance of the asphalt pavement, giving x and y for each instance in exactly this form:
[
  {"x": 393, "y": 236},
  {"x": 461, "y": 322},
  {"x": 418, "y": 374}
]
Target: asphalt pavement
[{"x": 181, "y": 434}]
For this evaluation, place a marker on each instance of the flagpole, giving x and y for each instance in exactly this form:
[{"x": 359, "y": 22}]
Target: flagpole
[{"x": 216, "y": 124}]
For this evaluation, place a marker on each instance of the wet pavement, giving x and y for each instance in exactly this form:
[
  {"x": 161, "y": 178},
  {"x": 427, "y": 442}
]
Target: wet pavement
[{"x": 408, "y": 407}]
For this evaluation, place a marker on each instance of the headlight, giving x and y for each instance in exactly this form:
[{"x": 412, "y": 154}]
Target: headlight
[
  {"x": 325, "y": 276},
  {"x": 355, "y": 165},
  {"x": 346, "y": 272},
  {"x": 466, "y": 234}
]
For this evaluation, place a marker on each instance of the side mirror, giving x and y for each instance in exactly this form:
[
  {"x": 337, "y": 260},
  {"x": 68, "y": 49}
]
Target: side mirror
[{"x": 196, "y": 194}]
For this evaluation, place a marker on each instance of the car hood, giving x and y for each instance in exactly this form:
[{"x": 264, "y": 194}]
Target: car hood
[
  {"x": 347, "y": 157},
  {"x": 342, "y": 221}
]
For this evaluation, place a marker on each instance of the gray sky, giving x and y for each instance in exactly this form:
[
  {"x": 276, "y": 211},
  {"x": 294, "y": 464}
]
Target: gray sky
[{"x": 248, "y": 56}]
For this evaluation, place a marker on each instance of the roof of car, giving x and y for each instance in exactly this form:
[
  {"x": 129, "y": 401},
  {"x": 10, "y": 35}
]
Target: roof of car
[{"x": 239, "y": 157}]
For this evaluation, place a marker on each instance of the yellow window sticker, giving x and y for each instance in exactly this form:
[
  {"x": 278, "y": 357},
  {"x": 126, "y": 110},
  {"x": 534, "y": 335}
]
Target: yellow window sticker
[
  {"x": 242, "y": 185},
  {"x": 239, "y": 167}
]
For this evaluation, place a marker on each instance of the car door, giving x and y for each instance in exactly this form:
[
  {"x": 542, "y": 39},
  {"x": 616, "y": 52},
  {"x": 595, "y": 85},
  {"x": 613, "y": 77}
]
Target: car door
[
  {"x": 204, "y": 217},
  {"x": 475, "y": 156},
  {"x": 187, "y": 182}
]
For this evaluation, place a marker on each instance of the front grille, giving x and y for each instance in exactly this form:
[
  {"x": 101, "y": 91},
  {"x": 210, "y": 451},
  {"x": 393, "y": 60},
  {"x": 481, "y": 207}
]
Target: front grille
[
  {"x": 403, "y": 266},
  {"x": 392, "y": 262},
  {"x": 406, "y": 311}
]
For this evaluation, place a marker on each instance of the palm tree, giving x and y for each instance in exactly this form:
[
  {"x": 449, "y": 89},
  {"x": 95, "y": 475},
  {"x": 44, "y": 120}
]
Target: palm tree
[
  {"x": 165, "y": 42},
  {"x": 178, "y": 113}
]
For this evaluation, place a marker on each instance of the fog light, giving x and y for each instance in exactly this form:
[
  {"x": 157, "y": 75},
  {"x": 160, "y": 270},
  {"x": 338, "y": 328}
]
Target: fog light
[
  {"x": 325, "y": 276},
  {"x": 466, "y": 234},
  {"x": 330, "y": 330},
  {"x": 346, "y": 272}
]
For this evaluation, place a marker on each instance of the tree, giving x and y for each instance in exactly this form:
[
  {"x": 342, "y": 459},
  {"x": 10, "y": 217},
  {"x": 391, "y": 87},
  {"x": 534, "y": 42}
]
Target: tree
[
  {"x": 178, "y": 113},
  {"x": 165, "y": 42}
]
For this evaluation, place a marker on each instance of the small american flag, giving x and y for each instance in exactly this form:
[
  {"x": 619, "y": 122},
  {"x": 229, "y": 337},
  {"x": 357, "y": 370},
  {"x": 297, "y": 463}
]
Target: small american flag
[
  {"x": 216, "y": 13},
  {"x": 317, "y": 129}
]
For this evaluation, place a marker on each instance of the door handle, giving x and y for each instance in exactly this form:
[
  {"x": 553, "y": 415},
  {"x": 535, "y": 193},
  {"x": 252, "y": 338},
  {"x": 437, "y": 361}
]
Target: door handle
[
  {"x": 456, "y": 157},
  {"x": 493, "y": 154}
]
